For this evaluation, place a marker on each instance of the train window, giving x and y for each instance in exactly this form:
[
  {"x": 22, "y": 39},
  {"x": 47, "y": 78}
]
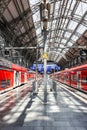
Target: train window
[
  {"x": 74, "y": 77},
  {"x": 67, "y": 77},
  {"x": 5, "y": 83},
  {"x": 84, "y": 80}
]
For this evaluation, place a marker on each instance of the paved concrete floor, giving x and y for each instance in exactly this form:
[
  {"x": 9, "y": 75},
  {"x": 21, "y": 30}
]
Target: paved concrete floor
[{"x": 62, "y": 112}]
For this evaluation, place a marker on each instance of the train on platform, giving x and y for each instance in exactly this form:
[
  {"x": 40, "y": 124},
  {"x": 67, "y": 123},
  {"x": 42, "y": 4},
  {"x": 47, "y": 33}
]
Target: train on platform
[
  {"x": 13, "y": 75},
  {"x": 75, "y": 77}
]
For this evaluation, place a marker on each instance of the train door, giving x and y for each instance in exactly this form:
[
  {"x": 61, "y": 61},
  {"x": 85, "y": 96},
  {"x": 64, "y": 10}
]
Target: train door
[
  {"x": 16, "y": 78},
  {"x": 25, "y": 77},
  {"x": 79, "y": 79}
]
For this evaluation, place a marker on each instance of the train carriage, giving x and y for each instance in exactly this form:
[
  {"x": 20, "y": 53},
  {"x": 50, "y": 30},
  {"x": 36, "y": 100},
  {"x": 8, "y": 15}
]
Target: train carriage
[
  {"x": 79, "y": 77},
  {"x": 6, "y": 75},
  {"x": 11, "y": 75},
  {"x": 75, "y": 77}
]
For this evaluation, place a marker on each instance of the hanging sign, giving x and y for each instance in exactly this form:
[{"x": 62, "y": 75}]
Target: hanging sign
[{"x": 45, "y": 56}]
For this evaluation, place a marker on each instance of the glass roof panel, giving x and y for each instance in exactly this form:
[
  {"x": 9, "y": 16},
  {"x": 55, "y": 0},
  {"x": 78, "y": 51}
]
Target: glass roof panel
[
  {"x": 36, "y": 16},
  {"x": 51, "y": 10},
  {"x": 57, "y": 5},
  {"x": 13, "y": 9},
  {"x": 82, "y": 8},
  {"x": 33, "y": 2},
  {"x": 65, "y": 50},
  {"x": 67, "y": 34},
  {"x": 66, "y": 24},
  {"x": 7, "y": 15},
  {"x": 53, "y": 24},
  {"x": 69, "y": 44},
  {"x": 81, "y": 29},
  {"x": 74, "y": 38},
  {"x": 61, "y": 46},
  {"x": 73, "y": 4},
  {"x": 63, "y": 41},
  {"x": 72, "y": 25}
]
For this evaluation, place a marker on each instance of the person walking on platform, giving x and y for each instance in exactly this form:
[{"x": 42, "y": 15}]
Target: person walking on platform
[{"x": 50, "y": 83}]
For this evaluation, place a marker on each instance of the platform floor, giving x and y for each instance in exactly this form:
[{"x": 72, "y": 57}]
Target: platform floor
[{"x": 63, "y": 111}]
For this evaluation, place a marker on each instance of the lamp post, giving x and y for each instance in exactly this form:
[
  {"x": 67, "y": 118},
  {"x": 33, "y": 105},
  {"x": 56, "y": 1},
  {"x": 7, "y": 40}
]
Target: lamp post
[{"x": 45, "y": 16}]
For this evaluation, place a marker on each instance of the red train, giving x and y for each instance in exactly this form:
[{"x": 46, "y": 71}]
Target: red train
[
  {"x": 75, "y": 77},
  {"x": 12, "y": 75}
]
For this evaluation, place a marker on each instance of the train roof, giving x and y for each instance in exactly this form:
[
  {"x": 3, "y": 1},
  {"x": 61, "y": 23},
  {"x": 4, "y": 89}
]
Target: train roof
[
  {"x": 9, "y": 64},
  {"x": 74, "y": 69},
  {"x": 79, "y": 67},
  {"x": 18, "y": 68},
  {"x": 30, "y": 71}
]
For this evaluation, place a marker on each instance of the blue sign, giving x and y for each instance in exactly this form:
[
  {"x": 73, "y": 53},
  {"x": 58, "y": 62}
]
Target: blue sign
[{"x": 50, "y": 68}]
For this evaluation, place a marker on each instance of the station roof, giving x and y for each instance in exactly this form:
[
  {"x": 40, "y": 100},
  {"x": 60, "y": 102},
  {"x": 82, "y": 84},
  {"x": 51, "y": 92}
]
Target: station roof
[
  {"x": 67, "y": 28},
  {"x": 18, "y": 26}
]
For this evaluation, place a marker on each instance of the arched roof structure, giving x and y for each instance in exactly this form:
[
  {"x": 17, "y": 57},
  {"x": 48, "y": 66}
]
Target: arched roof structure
[{"x": 67, "y": 28}]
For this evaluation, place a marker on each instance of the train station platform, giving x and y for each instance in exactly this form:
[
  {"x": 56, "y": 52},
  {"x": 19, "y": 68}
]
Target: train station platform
[{"x": 63, "y": 111}]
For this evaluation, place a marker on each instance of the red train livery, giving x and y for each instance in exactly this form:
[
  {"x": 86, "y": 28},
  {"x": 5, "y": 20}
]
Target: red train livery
[
  {"x": 12, "y": 75},
  {"x": 75, "y": 77}
]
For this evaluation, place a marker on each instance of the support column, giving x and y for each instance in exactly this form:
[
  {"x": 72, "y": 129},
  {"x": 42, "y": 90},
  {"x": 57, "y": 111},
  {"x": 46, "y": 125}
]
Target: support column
[
  {"x": 36, "y": 78},
  {"x": 45, "y": 68}
]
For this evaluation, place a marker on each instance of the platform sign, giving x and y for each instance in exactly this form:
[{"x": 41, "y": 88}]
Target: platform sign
[{"x": 45, "y": 56}]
